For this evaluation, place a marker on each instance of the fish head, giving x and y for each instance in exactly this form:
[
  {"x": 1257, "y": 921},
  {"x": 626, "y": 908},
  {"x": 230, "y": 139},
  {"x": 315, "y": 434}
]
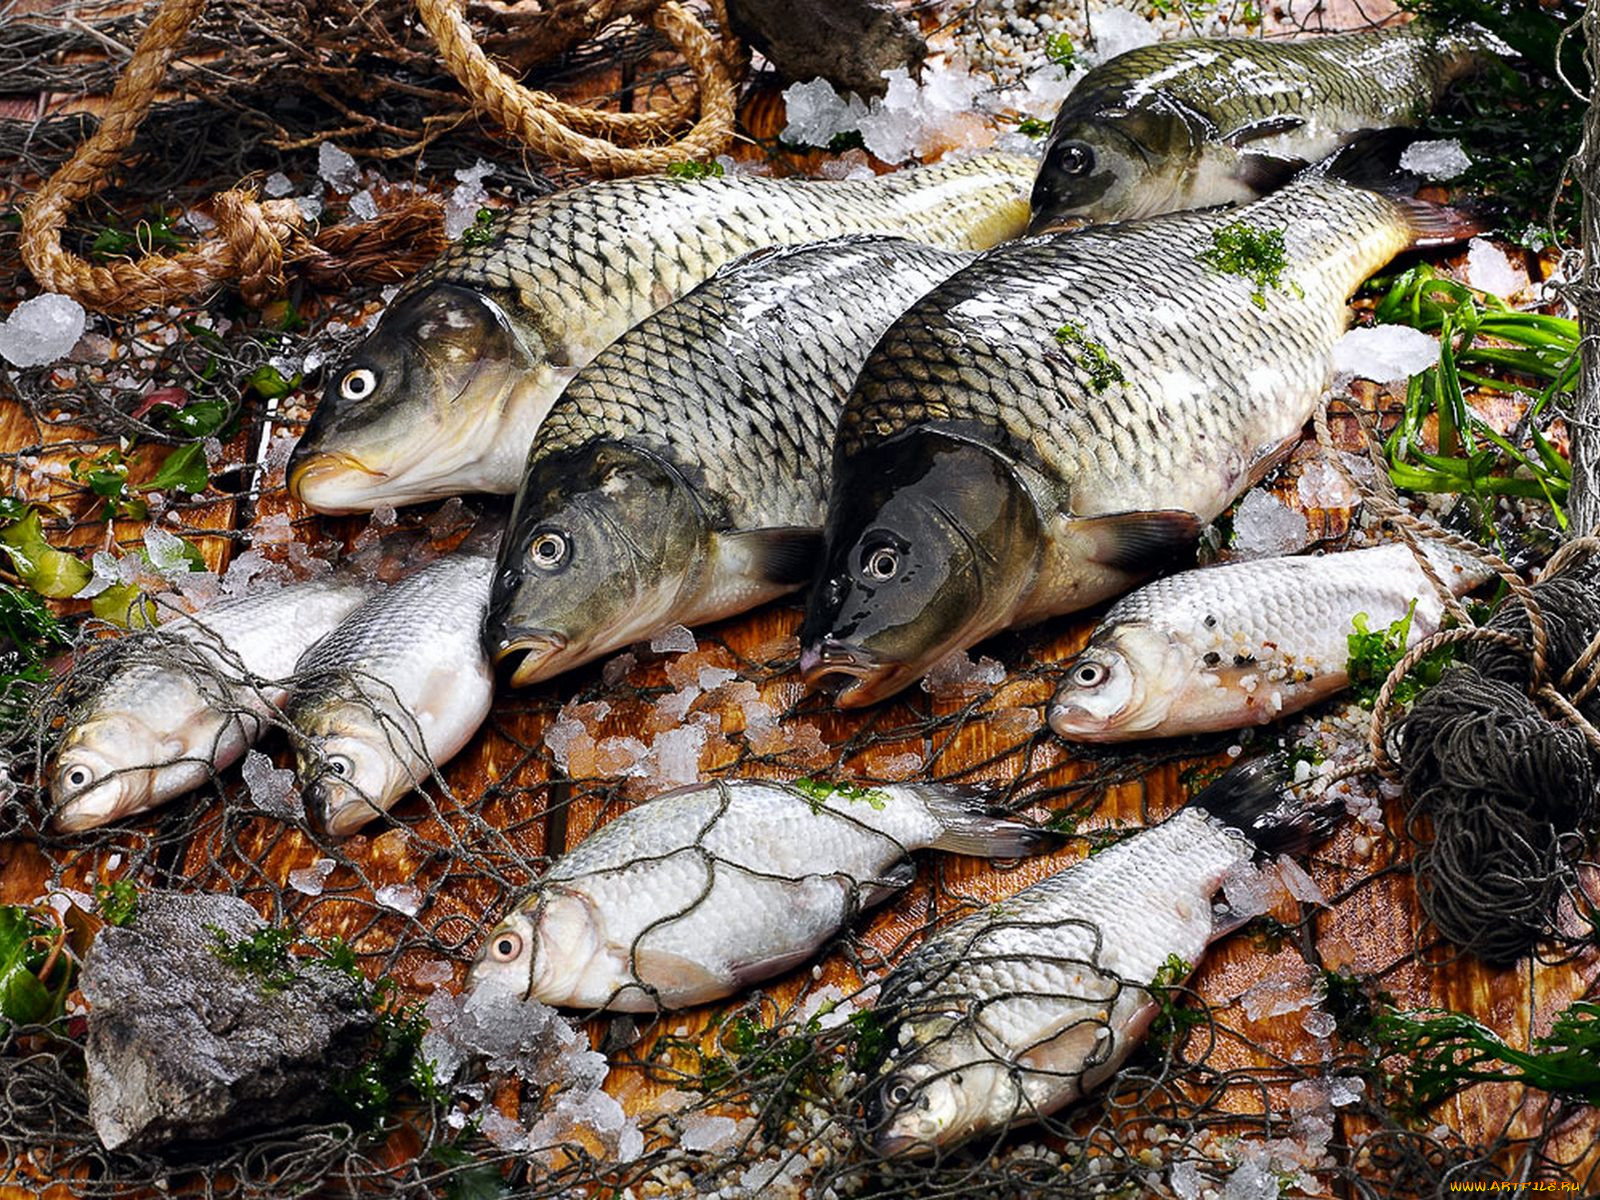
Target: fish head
[
  {"x": 545, "y": 950},
  {"x": 415, "y": 412},
  {"x": 349, "y": 763},
  {"x": 1124, "y": 683},
  {"x": 505, "y": 961},
  {"x": 603, "y": 543},
  {"x": 114, "y": 762},
  {"x": 931, "y": 541},
  {"x": 934, "y": 1102},
  {"x": 1115, "y": 164}
]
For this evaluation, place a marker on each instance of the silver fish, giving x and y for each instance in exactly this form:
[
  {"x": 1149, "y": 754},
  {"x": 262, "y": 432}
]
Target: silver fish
[
  {"x": 1052, "y": 423},
  {"x": 445, "y": 395},
  {"x": 705, "y": 890},
  {"x": 683, "y": 475},
  {"x": 398, "y": 688},
  {"x": 1023, "y": 1007},
  {"x": 1201, "y": 121},
  {"x": 1242, "y": 644},
  {"x": 187, "y": 699}
]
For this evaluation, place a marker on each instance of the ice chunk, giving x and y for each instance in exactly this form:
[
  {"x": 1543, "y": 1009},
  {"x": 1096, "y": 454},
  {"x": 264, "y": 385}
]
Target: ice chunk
[
  {"x": 1489, "y": 270},
  {"x": 1263, "y": 527},
  {"x": 278, "y": 185},
  {"x": 337, "y": 166},
  {"x": 616, "y": 670},
  {"x": 1323, "y": 485},
  {"x": 1319, "y": 1024},
  {"x": 703, "y": 1133},
  {"x": 678, "y": 753},
  {"x": 468, "y": 196},
  {"x": 1345, "y": 1090},
  {"x": 272, "y": 529},
  {"x": 452, "y": 517},
  {"x": 1384, "y": 353},
  {"x": 817, "y": 113},
  {"x": 433, "y": 973},
  {"x": 271, "y": 789},
  {"x": 956, "y": 674},
  {"x": 1185, "y": 1180},
  {"x": 1116, "y": 31},
  {"x": 712, "y": 678},
  {"x": 363, "y": 207},
  {"x": 401, "y": 897},
  {"x": 676, "y": 640},
  {"x": 1251, "y": 1181},
  {"x": 279, "y": 449},
  {"x": 1435, "y": 160},
  {"x": 1276, "y": 997},
  {"x": 167, "y": 554},
  {"x": 310, "y": 206},
  {"x": 41, "y": 330},
  {"x": 1301, "y": 886},
  {"x": 620, "y": 756},
  {"x": 1248, "y": 891},
  {"x": 309, "y": 881}
]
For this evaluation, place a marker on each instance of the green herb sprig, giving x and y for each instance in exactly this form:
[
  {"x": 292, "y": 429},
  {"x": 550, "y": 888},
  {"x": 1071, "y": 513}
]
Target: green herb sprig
[
  {"x": 1090, "y": 356},
  {"x": 1258, "y": 255}
]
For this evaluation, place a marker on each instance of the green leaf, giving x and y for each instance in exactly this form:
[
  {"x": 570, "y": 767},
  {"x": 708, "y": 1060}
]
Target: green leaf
[
  {"x": 266, "y": 381},
  {"x": 118, "y": 901},
  {"x": 48, "y": 571},
  {"x": 481, "y": 1181},
  {"x": 25, "y": 999},
  {"x": 124, "y": 605},
  {"x": 183, "y": 470},
  {"x": 199, "y": 418}
]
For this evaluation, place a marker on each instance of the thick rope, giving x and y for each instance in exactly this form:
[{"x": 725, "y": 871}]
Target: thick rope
[
  {"x": 247, "y": 248},
  {"x": 605, "y": 144}
]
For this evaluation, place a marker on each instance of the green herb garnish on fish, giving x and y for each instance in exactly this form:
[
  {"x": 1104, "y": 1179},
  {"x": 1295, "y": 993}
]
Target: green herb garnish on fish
[
  {"x": 691, "y": 169},
  {"x": 1258, "y": 255},
  {"x": 1374, "y": 653},
  {"x": 1090, "y": 356},
  {"x": 820, "y": 790}
]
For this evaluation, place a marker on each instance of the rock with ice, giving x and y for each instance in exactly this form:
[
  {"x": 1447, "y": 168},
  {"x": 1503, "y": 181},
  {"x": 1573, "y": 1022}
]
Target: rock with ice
[
  {"x": 337, "y": 167},
  {"x": 1384, "y": 353},
  {"x": 702, "y": 1133},
  {"x": 402, "y": 897},
  {"x": 1115, "y": 31},
  {"x": 1264, "y": 527},
  {"x": 1435, "y": 160},
  {"x": 271, "y": 789},
  {"x": 309, "y": 881},
  {"x": 1489, "y": 270},
  {"x": 676, "y": 640},
  {"x": 466, "y": 198},
  {"x": 41, "y": 330},
  {"x": 363, "y": 207}
]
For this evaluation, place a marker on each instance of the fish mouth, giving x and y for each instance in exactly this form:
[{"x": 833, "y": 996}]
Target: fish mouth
[
  {"x": 528, "y": 654},
  {"x": 1046, "y": 224},
  {"x": 868, "y": 677},
  {"x": 901, "y": 1145},
  {"x": 330, "y": 482},
  {"x": 1071, "y": 722}
]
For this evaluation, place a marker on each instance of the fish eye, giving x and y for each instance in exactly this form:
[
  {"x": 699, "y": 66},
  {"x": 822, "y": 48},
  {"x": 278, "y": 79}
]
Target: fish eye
[
  {"x": 1089, "y": 674},
  {"x": 79, "y": 777},
  {"x": 1075, "y": 158},
  {"x": 505, "y": 947},
  {"x": 897, "y": 1093},
  {"x": 341, "y": 766},
  {"x": 358, "y": 384},
  {"x": 549, "y": 550},
  {"x": 880, "y": 563}
]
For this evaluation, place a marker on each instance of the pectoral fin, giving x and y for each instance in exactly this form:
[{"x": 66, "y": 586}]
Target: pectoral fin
[
  {"x": 1263, "y": 173},
  {"x": 783, "y": 556},
  {"x": 1254, "y": 131},
  {"x": 1139, "y": 542}
]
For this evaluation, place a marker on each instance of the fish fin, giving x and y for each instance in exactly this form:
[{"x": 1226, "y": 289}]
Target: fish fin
[
  {"x": 1254, "y": 131},
  {"x": 785, "y": 556},
  {"x": 685, "y": 980},
  {"x": 896, "y": 879},
  {"x": 1371, "y": 160},
  {"x": 755, "y": 970},
  {"x": 1269, "y": 460},
  {"x": 1251, "y": 798},
  {"x": 1263, "y": 173},
  {"x": 973, "y": 825},
  {"x": 1138, "y": 542}
]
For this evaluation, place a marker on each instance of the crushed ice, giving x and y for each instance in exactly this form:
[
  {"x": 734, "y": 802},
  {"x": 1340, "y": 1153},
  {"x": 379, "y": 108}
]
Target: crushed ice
[
  {"x": 1264, "y": 527},
  {"x": 402, "y": 897},
  {"x": 1384, "y": 353},
  {"x": 41, "y": 330},
  {"x": 1489, "y": 270},
  {"x": 466, "y": 198},
  {"x": 271, "y": 789},
  {"x": 1435, "y": 160}
]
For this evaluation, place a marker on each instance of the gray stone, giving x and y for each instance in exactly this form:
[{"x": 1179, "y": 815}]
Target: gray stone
[
  {"x": 850, "y": 43},
  {"x": 183, "y": 1046}
]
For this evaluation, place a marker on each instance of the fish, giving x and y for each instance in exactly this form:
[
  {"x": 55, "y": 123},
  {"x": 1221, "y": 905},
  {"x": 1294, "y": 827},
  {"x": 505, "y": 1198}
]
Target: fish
[
  {"x": 1031, "y": 1003},
  {"x": 1055, "y": 422},
  {"x": 705, "y": 890},
  {"x": 1196, "y": 122},
  {"x": 1242, "y": 644},
  {"x": 682, "y": 476},
  {"x": 179, "y": 703},
  {"x": 396, "y": 690},
  {"x": 446, "y": 393}
]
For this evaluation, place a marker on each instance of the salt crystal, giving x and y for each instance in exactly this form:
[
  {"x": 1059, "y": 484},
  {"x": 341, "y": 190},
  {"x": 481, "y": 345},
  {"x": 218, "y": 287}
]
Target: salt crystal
[
  {"x": 462, "y": 205},
  {"x": 1185, "y": 1180},
  {"x": 278, "y": 184},
  {"x": 271, "y": 788},
  {"x": 1251, "y": 1181},
  {"x": 1323, "y": 485},
  {"x": 702, "y": 1133},
  {"x": 1301, "y": 886},
  {"x": 1264, "y": 527},
  {"x": 401, "y": 897},
  {"x": 1116, "y": 31},
  {"x": 1344, "y": 1090},
  {"x": 677, "y": 753},
  {"x": 1489, "y": 270},
  {"x": 309, "y": 881},
  {"x": 310, "y": 206},
  {"x": 363, "y": 207},
  {"x": 1384, "y": 353},
  {"x": 674, "y": 640},
  {"x": 1436, "y": 159},
  {"x": 41, "y": 330},
  {"x": 337, "y": 166},
  {"x": 616, "y": 670}
]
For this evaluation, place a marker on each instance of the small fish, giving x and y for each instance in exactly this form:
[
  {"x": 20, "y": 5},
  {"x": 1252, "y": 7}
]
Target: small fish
[
  {"x": 1025, "y": 1006},
  {"x": 1202, "y": 121},
  {"x": 1242, "y": 644},
  {"x": 703, "y": 891},
  {"x": 1053, "y": 423},
  {"x": 683, "y": 475},
  {"x": 399, "y": 687},
  {"x": 184, "y": 701},
  {"x": 445, "y": 395}
]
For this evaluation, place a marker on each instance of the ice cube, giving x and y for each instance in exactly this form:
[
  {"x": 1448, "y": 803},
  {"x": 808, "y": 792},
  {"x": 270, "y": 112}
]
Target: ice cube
[
  {"x": 677, "y": 753},
  {"x": 401, "y": 897},
  {"x": 1323, "y": 485},
  {"x": 337, "y": 166},
  {"x": 363, "y": 207},
  {"x": 1489, "y": 270},
  {"x": 1435, "y": 159},
  {"x": 41, "y": 330},
  {"x": 674, "y": 640},
  {"x": 1300, "y": 885},
  {"x": 309, "y": 881},
  {"x": 1115, "y": 31},
  {"x": 271, "y": 788},
  {"x": 1263, "y": 527},
  {"x": 1345, "y": 1090},
  {"x": 1384, "y": 353},
  {"x": 1251, "y": 1181},
  {"x": 703, "y": 1133},
  {"x": 1185, "y": 1180}
]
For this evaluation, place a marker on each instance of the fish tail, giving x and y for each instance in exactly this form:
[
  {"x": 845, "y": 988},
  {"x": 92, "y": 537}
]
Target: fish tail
[
  {"x": 974, "y": 825},
  {"x": 1372, "y": 161},
  {"x": 1253, "y": 798}
]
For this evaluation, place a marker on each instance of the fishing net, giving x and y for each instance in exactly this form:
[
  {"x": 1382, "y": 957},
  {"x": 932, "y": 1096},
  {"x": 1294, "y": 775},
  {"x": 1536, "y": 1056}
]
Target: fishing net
[{"x": 1262, "y": 1073}]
